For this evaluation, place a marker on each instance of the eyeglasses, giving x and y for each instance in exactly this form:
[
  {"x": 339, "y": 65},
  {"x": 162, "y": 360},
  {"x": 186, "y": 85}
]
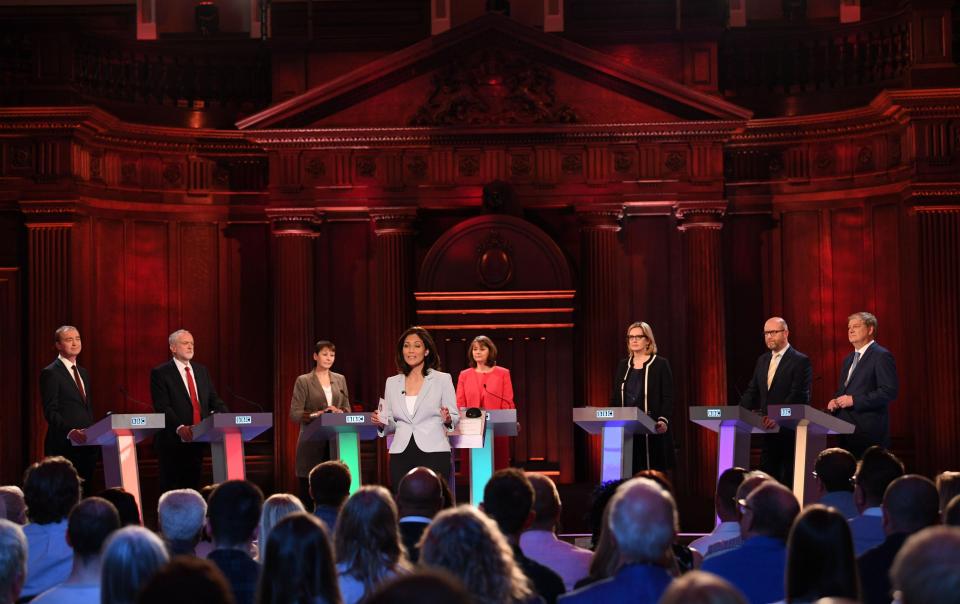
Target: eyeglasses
[
  {"x": 773, "y": 332},
  {"x": 640, "y": 337}
]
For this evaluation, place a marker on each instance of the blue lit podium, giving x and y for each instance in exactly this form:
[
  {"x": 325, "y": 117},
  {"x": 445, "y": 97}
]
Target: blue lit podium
[
  {"x": 117, "y": 435},
  {"x": 735, "y": 425},
  {"x": 812, "y": 426},
  {"x": 226, "y": 433},
  {"x": 343, "y": 431},
  {"x": 477, "y": 436},
  {"x": 616, "y": 427}
]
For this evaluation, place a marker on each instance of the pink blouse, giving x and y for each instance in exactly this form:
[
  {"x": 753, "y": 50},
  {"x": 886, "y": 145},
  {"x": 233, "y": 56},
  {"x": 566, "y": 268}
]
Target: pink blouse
[{"x": 497, "y": 395}]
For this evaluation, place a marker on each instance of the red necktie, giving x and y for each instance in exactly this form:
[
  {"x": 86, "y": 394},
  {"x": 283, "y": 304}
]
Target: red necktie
[
  {"x": 76, "y": 378},
  {"x": 193, "y": 396}
]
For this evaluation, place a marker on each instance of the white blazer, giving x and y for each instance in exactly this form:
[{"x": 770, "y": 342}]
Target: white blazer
[{"x": 424, "y": 424}]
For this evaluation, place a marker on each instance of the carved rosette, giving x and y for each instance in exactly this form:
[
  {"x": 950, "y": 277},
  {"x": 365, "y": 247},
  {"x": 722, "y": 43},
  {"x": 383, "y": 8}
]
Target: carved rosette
[{"x": 495, "y": 261}]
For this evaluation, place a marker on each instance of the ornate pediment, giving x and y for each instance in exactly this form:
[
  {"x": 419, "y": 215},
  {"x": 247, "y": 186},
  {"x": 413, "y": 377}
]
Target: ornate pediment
[{"x": 493, "y": 72}]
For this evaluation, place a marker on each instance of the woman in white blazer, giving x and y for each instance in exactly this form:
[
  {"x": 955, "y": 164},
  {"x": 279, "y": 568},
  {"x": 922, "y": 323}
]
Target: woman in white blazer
[{"x": 420, "y": 408}]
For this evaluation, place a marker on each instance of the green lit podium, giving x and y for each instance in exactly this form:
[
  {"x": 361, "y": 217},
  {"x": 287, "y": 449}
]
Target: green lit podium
[
  {"x": 477, "y": 436},
  {"x": 343, "y": 431}
]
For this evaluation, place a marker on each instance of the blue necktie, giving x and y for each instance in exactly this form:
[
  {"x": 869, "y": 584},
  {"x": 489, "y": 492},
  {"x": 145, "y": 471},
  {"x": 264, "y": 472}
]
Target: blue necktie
[{"x": 856, "y": 359}]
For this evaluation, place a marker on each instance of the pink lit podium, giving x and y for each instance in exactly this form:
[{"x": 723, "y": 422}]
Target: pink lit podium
[
  {"x": 812, "y": 426},
  {"x": 226, "y": 433},
  {"x": 117, "y": 435},
  {"x": 344, "y": 431},
  {"x": 616, "y": 427},
  {"x": 735, "y": 425}
]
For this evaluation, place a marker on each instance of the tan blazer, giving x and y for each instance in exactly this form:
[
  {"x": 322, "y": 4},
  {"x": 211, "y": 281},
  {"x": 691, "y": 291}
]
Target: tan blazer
[{"x": 308, "y": 396}]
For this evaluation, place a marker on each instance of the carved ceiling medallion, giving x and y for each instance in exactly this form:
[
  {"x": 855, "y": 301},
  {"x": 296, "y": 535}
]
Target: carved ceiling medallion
[{"x": 494, "y": 261}]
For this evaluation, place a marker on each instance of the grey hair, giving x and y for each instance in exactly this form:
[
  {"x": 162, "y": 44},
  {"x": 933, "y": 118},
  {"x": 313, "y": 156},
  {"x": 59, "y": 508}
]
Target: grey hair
[
  {"x": 869, "y": 319},
  {"x": 172, "y": 339},
  {"x": 62, "y": 330},
  {"x": 13, "y": 556},
  {"x": 181, "y": 513},
  {"x": 131, "y": 556},
  {"x": 11, "y": 500},
  {"x": 643, "y": 520}
]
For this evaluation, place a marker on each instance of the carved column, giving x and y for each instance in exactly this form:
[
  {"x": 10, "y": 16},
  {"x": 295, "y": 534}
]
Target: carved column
[
  {"x": 294, "y": 230},
  {"x": 599, "y": 294},
  {"x": 938, "y": 436},
  {"x": 395, "y": 283},
  {"x": 700, "y": 226},
  {"x": 49, "y": 300}
]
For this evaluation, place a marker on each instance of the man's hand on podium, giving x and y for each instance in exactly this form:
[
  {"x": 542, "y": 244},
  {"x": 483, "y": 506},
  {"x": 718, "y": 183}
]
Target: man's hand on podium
[
  {"x": 185, "y": 433},
  {"x": 77, "y": 436},
  {"x": 768, "y": 424}
]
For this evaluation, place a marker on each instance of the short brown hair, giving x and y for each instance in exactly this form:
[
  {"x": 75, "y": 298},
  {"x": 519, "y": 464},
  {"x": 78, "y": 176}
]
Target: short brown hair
[
  {"x": 51, "y": 487},
  {"x": 487, "y": 343},
  {"x": 321, "y": 344}
]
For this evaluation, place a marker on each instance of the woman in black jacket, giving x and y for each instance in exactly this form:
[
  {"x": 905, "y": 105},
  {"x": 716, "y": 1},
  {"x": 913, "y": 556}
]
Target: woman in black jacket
[{"x": 644, "y": 380}]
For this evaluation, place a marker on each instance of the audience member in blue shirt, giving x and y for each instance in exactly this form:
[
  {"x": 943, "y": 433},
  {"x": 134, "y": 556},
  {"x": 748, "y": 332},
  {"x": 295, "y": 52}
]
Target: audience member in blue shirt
[{"x": 877, "y": 470}]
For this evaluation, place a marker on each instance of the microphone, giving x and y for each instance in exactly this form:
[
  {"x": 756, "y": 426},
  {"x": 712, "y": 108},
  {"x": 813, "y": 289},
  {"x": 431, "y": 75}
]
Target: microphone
[
  {"x": 245, "y": 400},
  {"x": 511, "y": 403},
  {"x": 126, "y": 393}
]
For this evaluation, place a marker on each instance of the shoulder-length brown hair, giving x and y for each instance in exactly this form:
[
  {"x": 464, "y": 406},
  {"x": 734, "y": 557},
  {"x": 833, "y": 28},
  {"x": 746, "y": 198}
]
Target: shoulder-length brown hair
[
  {"x": 430, "y": 361},
  {"x": 489, "y": 345}
]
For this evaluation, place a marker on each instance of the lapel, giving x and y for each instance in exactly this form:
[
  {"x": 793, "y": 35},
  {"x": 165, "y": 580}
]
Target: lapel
[
  {"x": 784, "y": 361},
  {"x": 178, "y": 380},
  {"x": 427, "y": 382},
  {"x": 69, "y": 376},
  {"x": 863, "y": 359}
]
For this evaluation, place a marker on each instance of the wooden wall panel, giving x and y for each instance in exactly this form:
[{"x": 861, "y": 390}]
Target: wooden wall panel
[
  {"x": 106, "y": 340},
  {"x": 149, "y": 287},
  {"x": 11, "y": 386},
  {"x": 199, "y": 265}
]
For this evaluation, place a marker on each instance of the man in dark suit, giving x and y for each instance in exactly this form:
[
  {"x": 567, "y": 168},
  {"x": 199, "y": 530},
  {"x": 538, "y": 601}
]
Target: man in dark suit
[
  {"x": 183, "y": 392},
  {"x": 868, "y": 384},
  {"x": 65, "y": 392},
  {"x": 782, "y": 377}
]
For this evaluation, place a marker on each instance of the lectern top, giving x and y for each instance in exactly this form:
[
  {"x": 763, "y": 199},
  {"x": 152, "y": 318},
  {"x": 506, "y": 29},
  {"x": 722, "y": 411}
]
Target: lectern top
[
  {"x": 713, "y": 417},
  {"x": 140, "y": 425},
  {"x": 813, "y": 418},
  {"x": 249, "y": 425},
  {"x": 328, "y": 425},
  {"x": 631, "y": 419}
]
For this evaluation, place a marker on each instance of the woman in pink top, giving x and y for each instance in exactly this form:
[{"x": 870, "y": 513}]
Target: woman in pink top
[{"x": 486, "y": 385}]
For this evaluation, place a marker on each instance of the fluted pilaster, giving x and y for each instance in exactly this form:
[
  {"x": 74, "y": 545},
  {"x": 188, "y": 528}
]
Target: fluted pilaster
[
  {"x": 395, "y": 281},
  {"x": 293, "y": 315}
]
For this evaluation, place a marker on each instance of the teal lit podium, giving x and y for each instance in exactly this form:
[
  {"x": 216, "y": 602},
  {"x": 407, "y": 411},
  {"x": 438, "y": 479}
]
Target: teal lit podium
[
  {"x": 477, "y": 436},
  {"x": 734, "y": 425},
  {"x": 226, "y": 433},
  {"x": 117, "y": 436},
  {"x": 343, "y": 431},
  {"x": 812, "y": 426},
  {"x": 616, "y": 427}
]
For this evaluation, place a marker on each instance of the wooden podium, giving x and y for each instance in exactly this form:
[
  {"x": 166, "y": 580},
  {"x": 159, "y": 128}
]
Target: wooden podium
[
  {"x": 477, "y": 437},
  {"x": 343, "y": 431},
  {"x": 226, "y": 433},
  {"x": 735, "y": 425},
  {"x": 616, "y": 425},
  {"x": 117, "y": 435},
  {"x": 812, "y": 426}
]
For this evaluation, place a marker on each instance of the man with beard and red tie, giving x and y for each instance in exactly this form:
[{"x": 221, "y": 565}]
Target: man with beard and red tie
[
  {"x": 183, "y": 392},
  {"x": 65, "y": 393}
]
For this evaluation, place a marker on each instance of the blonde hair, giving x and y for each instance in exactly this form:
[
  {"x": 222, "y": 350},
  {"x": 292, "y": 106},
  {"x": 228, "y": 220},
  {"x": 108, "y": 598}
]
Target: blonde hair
[
  {"x": 276, "y": 508},
  {"x": 647, "y": 331}
]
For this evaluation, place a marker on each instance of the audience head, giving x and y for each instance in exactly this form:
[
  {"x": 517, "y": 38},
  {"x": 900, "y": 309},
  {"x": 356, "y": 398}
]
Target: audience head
[
  {"x": 187, "y": 580},
  {"x": 131, "y": 556},
  {"x": 181, "y": 513},
  {"x": 910, "y": 504},
  {"x": 658, "y": 477},
  {"x": 951, "y": 515},
  {"x": 51, "y": 488},
  {"x": 420, "y": 493},
  {"x": 598, "y": 505},
  {"x": 697, "y": 587},
  {"x": 820, "y": 558},
  {"x": 927, "y": 567},
  {"x": 431, "y": 360},
  {"x": 449, "y": 501},
  {"x": 367, "y": 539},
  {"x": 606, "y": 554},
  {"x": 546, "y": 502},
  {"x": 90, "y": 523},
  {"x": 125, "y": 503},
  {"x": 834, "y": 469},
  {"x": 276, "y": 508},
  {"x": 878, "y": 468},
  {"x": 508, "y": 499},
  {"x": 725, "y": 500},
  {"x": 467, "y": 543},
  {"x": 948, "y": 486},
  {"x": 234, "y": 511},
  {"x": 298, "y": 563},
  {"x": 13, "y": 561},
  {"x": 425, "y": 585},
  {"x": 751, "y": 480},
  {"x": 769, "y": 510},
  {"x": 330, "y": 483},
  {"x": 643, "y": 520},
  {"x": 14, "y": 507}
]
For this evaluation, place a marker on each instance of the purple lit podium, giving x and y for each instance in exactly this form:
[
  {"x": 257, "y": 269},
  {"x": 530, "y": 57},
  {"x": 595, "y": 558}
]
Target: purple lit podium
[
  {"x": 226, "y": 433},
  {"x": 734, "y": 425},
  {"x": 616, "y": 427},
  {"x": 117, "y": 435},
  {"x": 343, "y": 431},
  {"x": 812, "y": 426},
  {"x": 476, "y": 435}
]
